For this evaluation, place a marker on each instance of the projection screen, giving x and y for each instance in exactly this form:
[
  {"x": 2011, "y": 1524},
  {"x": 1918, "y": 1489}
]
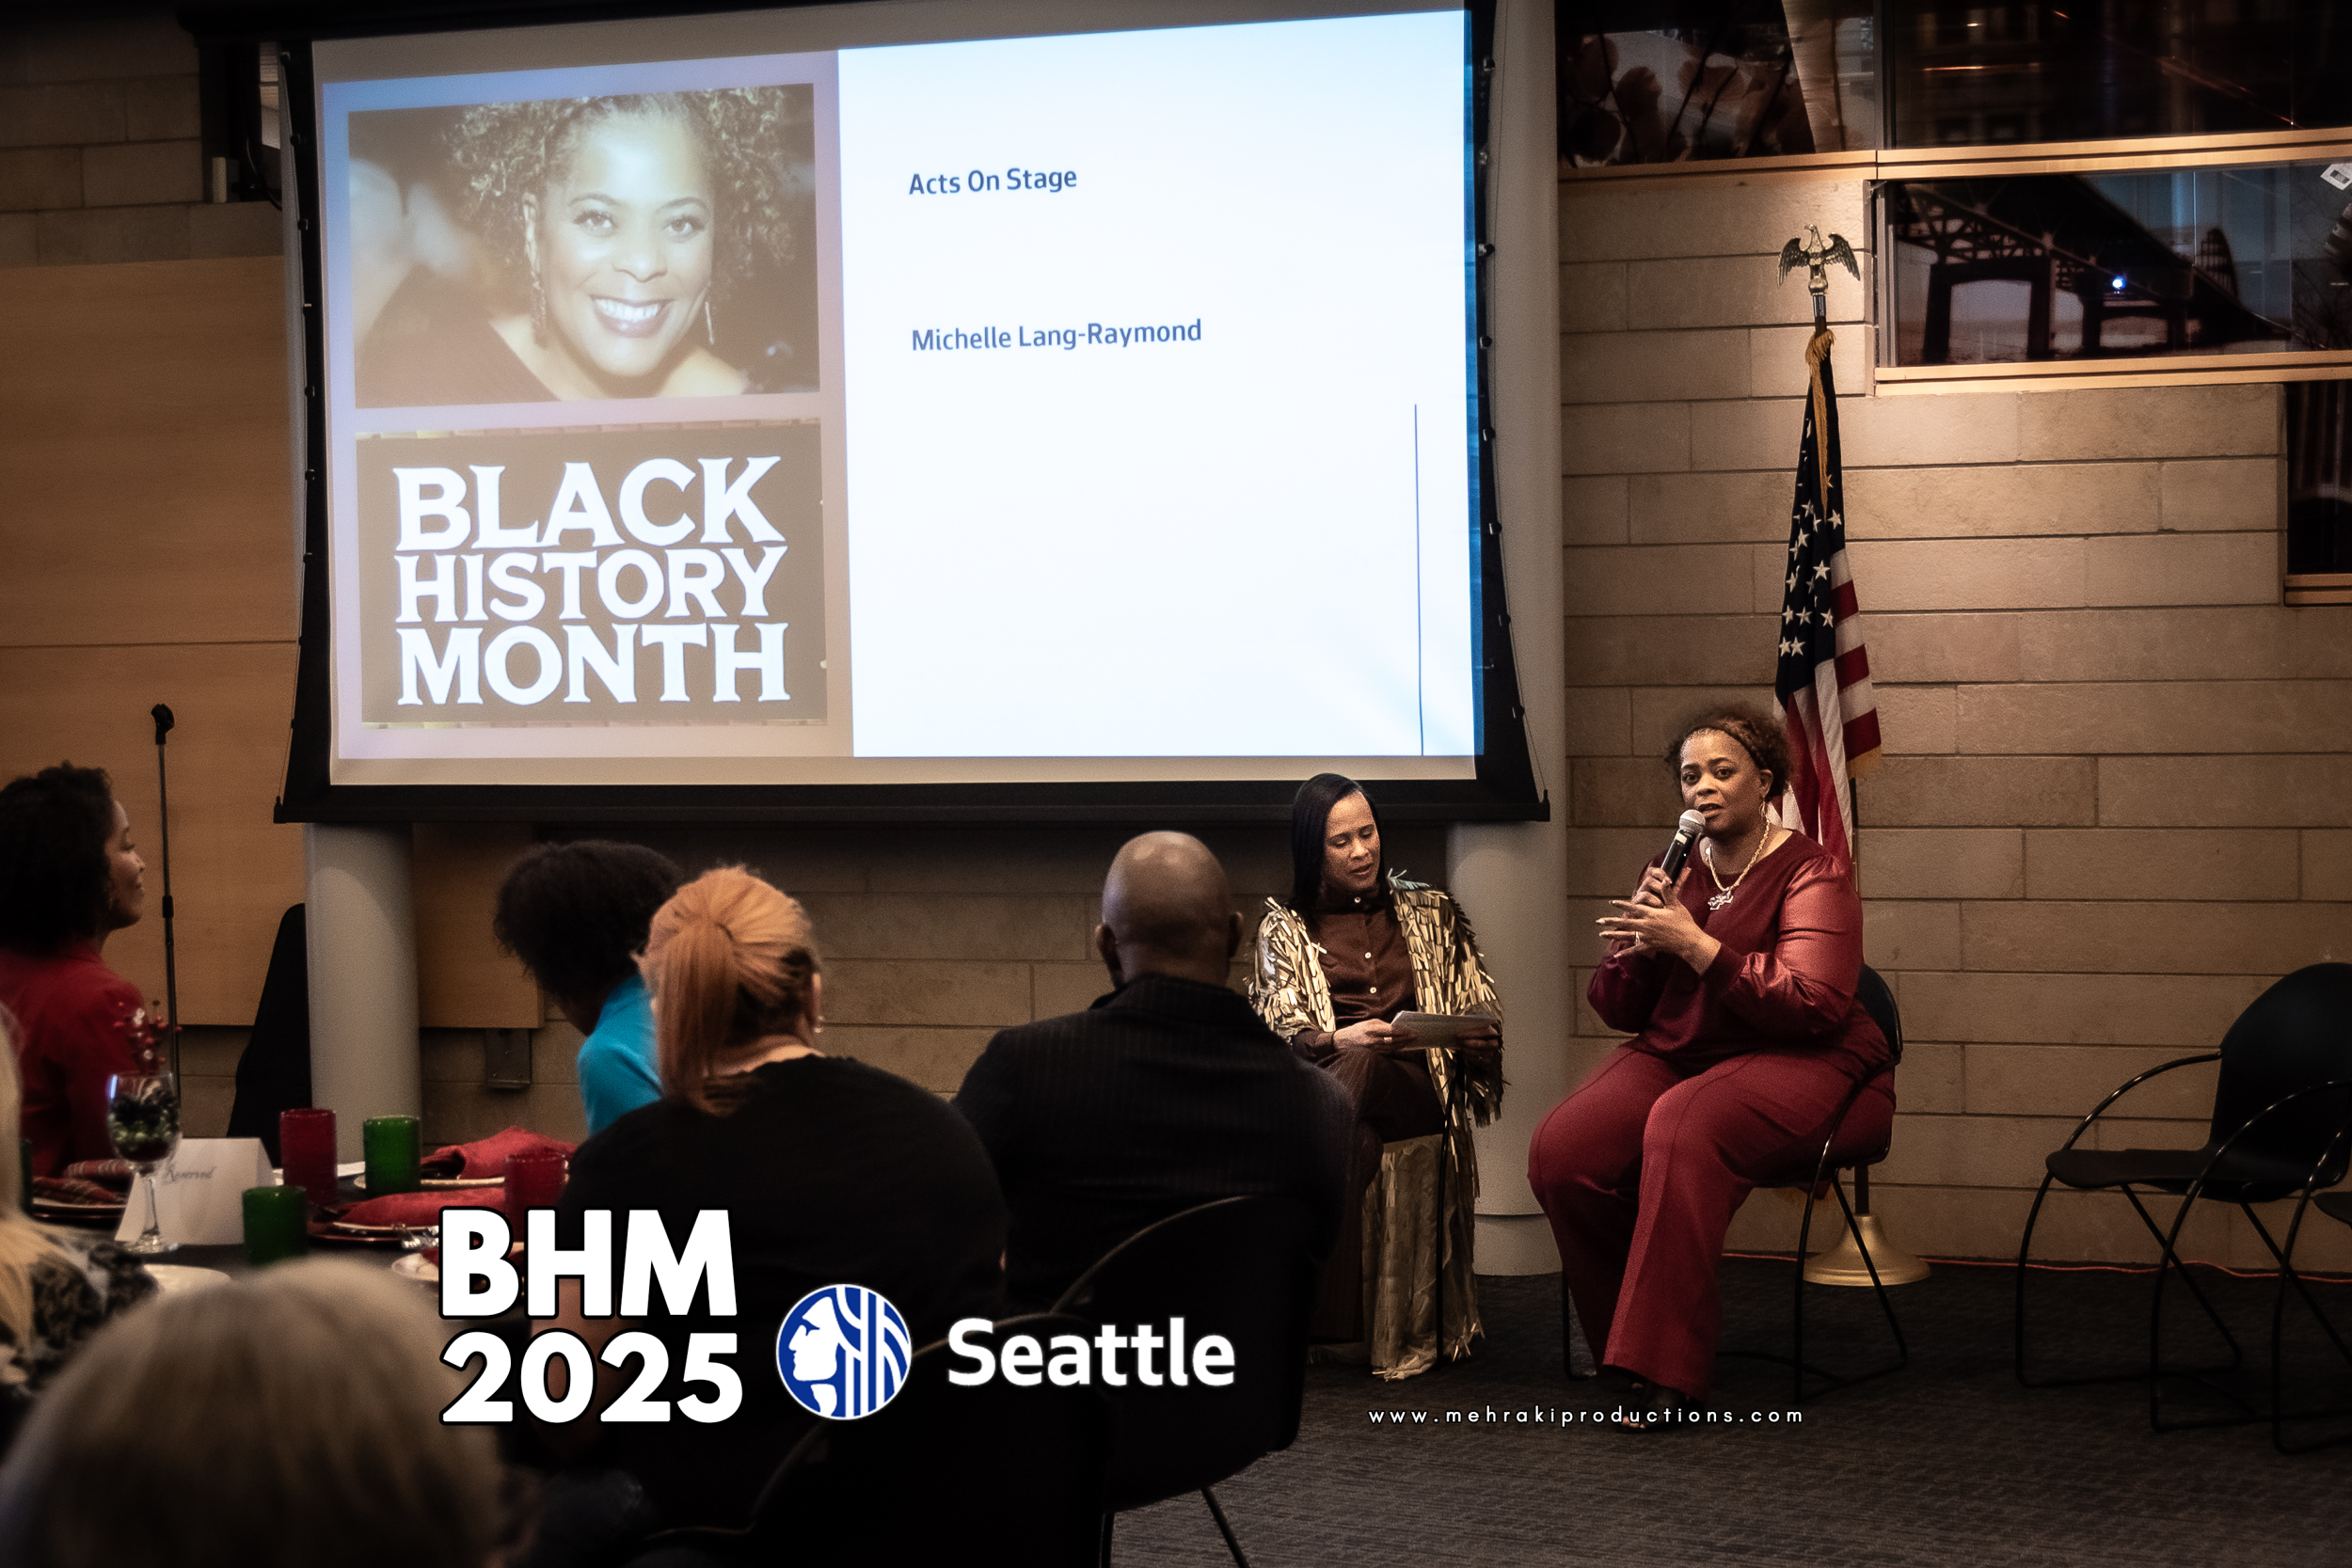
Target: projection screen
[{"x": 870, "y": 408}]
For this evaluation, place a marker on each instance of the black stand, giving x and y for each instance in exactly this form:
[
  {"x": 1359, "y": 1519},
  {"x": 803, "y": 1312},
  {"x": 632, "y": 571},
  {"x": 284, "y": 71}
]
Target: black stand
[
  {"x": 1853, "y": 846},
  {"x": 163, "y": 721}
]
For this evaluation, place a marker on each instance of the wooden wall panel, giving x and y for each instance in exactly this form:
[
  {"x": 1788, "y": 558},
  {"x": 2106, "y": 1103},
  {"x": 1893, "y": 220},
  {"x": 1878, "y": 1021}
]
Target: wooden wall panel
[
  {"x": 144, "y": 557},
  {"x": 463, "y": 980},
  {"x": 233, "y": 871},
  {"x": 143, "y": 433}
]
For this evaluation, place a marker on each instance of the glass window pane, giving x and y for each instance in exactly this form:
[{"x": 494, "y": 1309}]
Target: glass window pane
[
  {"x": 1670, "y": 81},
  {"x": 2095, "y": 70},
  {"x": 2319, "y": 476},
  {"x": 1993, "y": 269}
]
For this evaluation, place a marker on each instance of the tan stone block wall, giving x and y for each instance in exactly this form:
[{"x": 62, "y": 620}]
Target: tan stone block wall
[
  {"x": 2117, "y": 794},
  {"x": 99, "y": 156},
  {"x": 931, "y": 939}
]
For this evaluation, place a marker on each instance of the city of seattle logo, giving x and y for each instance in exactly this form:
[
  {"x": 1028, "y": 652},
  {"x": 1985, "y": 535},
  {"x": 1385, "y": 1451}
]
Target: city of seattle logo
[{"x": 842, "y": 1352}]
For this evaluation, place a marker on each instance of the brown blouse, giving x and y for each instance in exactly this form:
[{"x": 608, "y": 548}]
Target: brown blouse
[{"x": 1368, "y": 964}]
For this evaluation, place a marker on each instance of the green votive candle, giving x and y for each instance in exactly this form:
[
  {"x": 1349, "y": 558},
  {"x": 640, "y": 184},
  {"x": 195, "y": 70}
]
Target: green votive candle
[
  {"x": 276, "y": 1223},
  {"x": 392, "y": 1149}
]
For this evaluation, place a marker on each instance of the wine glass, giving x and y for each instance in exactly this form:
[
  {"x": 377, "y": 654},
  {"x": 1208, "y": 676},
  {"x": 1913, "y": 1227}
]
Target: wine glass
[{"x": 143, "y": 1119}]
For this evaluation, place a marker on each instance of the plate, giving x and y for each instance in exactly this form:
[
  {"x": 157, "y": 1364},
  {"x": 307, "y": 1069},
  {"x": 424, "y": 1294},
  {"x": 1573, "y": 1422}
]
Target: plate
[
  {"x": 172, "y": 1278},
  {"x": 417, "y": 1266},
  {"x": 444, "y": 1184},
  {"x": 335, "y": 1232}
]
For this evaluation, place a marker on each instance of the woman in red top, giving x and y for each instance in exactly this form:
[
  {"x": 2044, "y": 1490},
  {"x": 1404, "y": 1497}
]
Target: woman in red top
[
  {"x": 69, "y": 878},
  {"x": 1737, "y": 982}
]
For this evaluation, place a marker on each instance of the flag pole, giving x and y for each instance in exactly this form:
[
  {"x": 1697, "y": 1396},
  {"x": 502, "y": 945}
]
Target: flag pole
[{"x": 1873, "y": 1258}]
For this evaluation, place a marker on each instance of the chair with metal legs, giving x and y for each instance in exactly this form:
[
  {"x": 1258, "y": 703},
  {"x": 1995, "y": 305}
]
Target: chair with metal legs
[
  {"x": 2280, "y": 1102},
  {"x": 2336, "y": 1206},
  {"x": 1842, "y": 1152},
  {"x": 999, "y": 1474},
  {"x": 1239, "y": 1268}
]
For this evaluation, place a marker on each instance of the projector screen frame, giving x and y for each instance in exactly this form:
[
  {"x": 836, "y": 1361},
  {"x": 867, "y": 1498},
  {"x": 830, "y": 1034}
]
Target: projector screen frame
[{"x": 1503, "y": 789}]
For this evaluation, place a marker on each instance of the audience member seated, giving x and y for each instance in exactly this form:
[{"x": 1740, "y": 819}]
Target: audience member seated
[
  {"x": 834, "y": 1173},
  {"x": 576, "y": 914},
  {"x": 1737, "y": 982},
  {"x": 1352, "y": 947},
  {"x": 69, "y": 878},
  {"x": 284, "y": 1421},
  {"x": 1166, "y": 1093},
  {"x": 57, "y": 1285}
]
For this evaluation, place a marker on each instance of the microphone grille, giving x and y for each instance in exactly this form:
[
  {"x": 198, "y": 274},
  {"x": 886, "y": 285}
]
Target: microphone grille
[{"x": 1691, "y": 822}]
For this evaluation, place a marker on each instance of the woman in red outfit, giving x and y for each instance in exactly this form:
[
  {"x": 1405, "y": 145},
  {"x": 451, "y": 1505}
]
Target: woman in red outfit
[
  {"x": 69, "y": 878},
  {"x": 1737, "y": 982}
]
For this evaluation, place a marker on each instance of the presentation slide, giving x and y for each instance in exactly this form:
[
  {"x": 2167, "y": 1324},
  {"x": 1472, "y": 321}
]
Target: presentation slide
[{"x": 826, "y": 398}]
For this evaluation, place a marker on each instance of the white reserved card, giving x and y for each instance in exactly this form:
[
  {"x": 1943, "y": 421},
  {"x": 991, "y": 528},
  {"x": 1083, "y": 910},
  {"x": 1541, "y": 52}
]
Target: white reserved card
[{"x": 200, "y": 1192}]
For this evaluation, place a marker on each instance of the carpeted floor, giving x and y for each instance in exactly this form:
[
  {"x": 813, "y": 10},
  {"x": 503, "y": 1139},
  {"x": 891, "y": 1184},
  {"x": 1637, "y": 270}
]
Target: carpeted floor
[{"x": 1948, "y": 1461}]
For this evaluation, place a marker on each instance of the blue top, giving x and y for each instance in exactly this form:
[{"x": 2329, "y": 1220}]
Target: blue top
[{"x": 616, "y": 1062}]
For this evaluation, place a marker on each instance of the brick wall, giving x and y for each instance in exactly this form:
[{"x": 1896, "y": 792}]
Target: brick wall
[
  {"x": 100, "y": 159},
  {"x": 2117, "y": 800}
]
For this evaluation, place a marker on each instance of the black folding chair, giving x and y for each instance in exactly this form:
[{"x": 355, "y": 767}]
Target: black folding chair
[
  {"x": 1837, "y": 1156},
  {"x": 1240, "y": 1269},
  {"x": 992, "y": 1474},
  {"x": 1840, "y": 1154},
  {"x": 2279, "y": 1105},
  {"x": 2336, "y": 1206}
]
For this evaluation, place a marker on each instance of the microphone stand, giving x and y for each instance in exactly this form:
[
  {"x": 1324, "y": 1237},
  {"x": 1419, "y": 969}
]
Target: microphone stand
[{"x": 162, "y": 715}]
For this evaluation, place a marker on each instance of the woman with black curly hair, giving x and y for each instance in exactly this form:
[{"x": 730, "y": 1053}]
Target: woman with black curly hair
[
  {"x": 577, "y": 915},
  {"x": 616, "y": 229},
  {"x": 69, "y": 876},
  {"x": 1737, "y": 981}
]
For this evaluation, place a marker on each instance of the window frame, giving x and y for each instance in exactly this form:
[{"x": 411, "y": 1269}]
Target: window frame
[{"x": 2157, "y": 153}]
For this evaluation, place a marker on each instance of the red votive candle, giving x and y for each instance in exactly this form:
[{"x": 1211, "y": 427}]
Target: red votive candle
[
  {"x": 306, "y": 1144},
  {"x": 533, "y": 1181}
]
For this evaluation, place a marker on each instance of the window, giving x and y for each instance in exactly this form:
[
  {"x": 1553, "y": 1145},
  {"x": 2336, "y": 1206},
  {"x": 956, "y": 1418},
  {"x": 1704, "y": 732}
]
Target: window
[
  {"x": 2136, "y": 264},
  {"x": 2100, "y": 70},
  {"x": 1677, "y": 81},
  {"x": 2319, "y": 492}
]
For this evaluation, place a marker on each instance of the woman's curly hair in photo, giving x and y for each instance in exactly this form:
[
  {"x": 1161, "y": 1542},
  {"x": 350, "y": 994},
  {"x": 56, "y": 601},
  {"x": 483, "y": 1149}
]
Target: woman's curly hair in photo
[{"x": 508, "y": 152}]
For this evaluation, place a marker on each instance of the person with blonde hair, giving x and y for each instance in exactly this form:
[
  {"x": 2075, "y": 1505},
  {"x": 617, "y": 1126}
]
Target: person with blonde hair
[
  {"x": 288, "y": 1419},
  {"x": 831, "y": 1172},
  {"x": 56, "y": 1287}
]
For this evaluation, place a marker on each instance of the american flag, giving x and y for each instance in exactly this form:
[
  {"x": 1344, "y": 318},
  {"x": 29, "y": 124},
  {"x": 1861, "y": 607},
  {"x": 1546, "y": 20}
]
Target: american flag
[{"x": 1823, "y": 684}]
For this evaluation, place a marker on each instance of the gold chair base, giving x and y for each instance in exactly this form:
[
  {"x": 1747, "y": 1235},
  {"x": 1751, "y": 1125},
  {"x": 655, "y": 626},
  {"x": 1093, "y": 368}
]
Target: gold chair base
[{"x": 1843, "y": 1264}]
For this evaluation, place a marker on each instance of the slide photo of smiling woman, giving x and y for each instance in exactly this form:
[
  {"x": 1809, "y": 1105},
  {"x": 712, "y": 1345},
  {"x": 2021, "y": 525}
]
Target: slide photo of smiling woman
[{"x": 646, "y": 246}]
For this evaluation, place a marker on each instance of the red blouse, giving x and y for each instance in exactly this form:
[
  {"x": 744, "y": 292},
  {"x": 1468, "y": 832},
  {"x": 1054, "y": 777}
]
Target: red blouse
[
  {"x": 1792, "y": 955},
  {"x": 75, "y": 1022}
]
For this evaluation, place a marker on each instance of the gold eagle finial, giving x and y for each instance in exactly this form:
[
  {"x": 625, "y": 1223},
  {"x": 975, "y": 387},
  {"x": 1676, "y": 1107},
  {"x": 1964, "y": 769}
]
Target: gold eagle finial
[{"x": 1818, "y": 257}]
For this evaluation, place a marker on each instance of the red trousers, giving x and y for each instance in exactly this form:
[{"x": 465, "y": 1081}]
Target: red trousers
[{"x": 1641, "y": 1169}]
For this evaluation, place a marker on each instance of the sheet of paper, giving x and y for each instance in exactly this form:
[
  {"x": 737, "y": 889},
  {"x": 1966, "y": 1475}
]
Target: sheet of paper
[
  {"x": 1440, "y": 1029},
  {"x": 200, "y": 1192}
]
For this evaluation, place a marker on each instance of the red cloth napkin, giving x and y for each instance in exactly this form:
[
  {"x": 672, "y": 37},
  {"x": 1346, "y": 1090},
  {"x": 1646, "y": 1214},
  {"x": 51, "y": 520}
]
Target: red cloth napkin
[
  {"x": 489, "y": 1156},
  {"x": 418, "y": 1209},
  {"x": 68, "y": 1189},
  {"x": 107, "y": 1173}
]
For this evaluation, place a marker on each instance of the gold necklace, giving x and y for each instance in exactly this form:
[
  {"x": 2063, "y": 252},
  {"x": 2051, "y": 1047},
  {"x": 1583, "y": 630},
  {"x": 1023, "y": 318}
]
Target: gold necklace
[{"x": 1723, "y": 897}]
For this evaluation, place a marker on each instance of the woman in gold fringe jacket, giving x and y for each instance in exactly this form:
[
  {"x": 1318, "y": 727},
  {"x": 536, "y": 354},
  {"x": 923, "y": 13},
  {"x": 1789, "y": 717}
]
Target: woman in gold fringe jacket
[{"x": 1352, "y": 947}]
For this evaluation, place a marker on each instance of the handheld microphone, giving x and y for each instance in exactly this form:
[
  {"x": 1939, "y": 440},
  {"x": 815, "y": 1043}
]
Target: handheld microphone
[{"x": 1687, "y": 831}]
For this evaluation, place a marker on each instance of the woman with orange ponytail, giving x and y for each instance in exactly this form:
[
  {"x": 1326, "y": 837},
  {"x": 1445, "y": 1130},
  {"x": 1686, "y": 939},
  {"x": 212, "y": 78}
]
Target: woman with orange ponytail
[{"x": 833, "y": 1173}]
